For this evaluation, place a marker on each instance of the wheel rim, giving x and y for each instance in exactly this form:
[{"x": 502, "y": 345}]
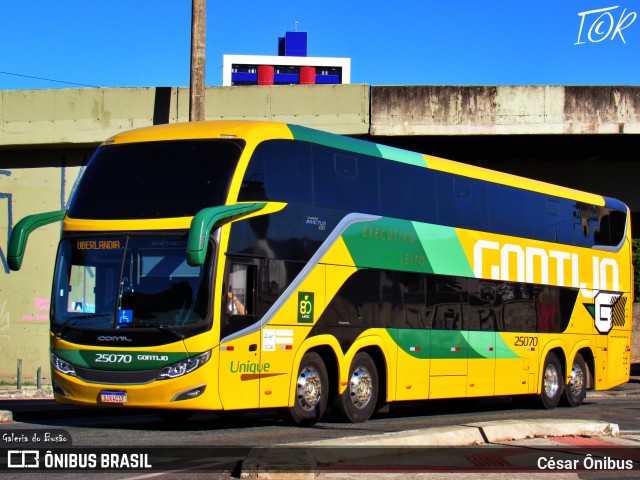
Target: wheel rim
[
  {"x": 360, "y": 387},
  {"x": 576, "y": 384},
  {"x": 309, "y": 389},
  {"x": 551, "y": 381}
]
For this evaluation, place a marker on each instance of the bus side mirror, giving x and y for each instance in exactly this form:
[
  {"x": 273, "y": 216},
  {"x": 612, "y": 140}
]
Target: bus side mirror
[
  {"x": 21, "y": 231},
  {"x": 205, "y": 220}
]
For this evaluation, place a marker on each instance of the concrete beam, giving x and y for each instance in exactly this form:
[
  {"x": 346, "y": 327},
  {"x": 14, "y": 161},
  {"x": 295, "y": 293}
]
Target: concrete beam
[
  {"x": 91, "y": 115},
  {"x": 504, "y": 110}
]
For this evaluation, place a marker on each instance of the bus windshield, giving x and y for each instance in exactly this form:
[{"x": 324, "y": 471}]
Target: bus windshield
[
  {"x": 120, "y": 282},
  {"x": 166, "y": 179}
]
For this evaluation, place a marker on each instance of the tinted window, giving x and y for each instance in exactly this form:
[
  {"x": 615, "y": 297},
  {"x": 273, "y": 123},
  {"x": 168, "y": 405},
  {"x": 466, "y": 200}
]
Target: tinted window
[
  {"x": 345, "y": 180},
  {"x": 483, "y": 311},
  {"x": 587, "y": 225},
  {"x": 552, "y": 219},
  {"x": 296, "y": 171},
  {"x": 616, "y": 220},
  {"x": 446, "y": 297},
  {"x": 155, "y": 179},
  {"x": 462, "y": 202},
  {"x": 510, "y": 210},
  {"x": 280, "y": 170},
  {"x": 408, "y": 192}
]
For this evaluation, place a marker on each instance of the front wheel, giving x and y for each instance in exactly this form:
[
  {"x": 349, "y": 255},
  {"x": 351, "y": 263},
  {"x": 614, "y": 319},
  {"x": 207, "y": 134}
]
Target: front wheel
[
  {"x": 552, "y": 382},
  {"x": 358, "y": 402},
  {"x": 576, "y": 390},
  {"x": 312, "y": 391}
]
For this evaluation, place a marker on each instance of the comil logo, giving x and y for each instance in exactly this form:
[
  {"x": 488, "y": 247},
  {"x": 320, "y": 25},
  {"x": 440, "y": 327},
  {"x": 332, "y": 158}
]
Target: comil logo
[{"x": 23, "y": 459}]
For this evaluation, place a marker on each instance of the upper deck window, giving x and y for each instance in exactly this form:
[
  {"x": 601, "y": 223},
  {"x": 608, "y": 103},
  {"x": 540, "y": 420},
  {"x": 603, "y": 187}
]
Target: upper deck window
[{"x": 156, "y": 179}]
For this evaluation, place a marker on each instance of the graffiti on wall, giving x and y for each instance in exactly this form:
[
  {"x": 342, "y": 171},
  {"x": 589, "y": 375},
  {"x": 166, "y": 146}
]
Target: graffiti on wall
[
  {"x": 4, "y": 320},
  {"x": 44, "y": 184},
  {"x": 41, "y": 305}
]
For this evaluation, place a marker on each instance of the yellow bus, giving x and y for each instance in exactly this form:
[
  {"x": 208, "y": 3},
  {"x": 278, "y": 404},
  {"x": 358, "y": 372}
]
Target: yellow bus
[{"x": 233, "y": 265}]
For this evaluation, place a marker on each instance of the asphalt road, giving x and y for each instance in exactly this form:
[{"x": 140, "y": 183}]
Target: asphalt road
[
  {"x": 112, "y": 427},
  {"x": 133, "y": 430}
]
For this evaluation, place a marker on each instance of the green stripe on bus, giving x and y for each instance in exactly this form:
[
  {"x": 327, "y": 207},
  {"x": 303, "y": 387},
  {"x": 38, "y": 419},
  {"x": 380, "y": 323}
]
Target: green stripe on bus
[
  {"x": 335, "y": 141},
  {"x": 410, "y": 246},
  {"x": 444, "y": 250},
  {"x": 447, "y": 344},
  {"x": 386, "y": 243},
  {"x": 358, "y": 146},
  {"x": 403, "y": 156}
]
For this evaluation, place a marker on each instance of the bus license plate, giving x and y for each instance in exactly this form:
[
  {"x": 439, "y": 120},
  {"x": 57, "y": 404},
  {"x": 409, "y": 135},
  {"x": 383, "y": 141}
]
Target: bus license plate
[{"x": 113, "y": 397}]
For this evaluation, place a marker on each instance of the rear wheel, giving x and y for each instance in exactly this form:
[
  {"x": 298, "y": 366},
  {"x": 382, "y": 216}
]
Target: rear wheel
[
  {"x": 552, "y": 382},
  {"x": 358, "y": 402},
  {"x": 576, "y": 390},
  {"x": 312, "y": 391}
]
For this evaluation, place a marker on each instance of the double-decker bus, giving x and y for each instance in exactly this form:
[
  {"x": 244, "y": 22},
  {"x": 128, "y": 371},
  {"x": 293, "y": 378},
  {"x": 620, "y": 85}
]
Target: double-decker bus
[{"x": 235, "y": 265}]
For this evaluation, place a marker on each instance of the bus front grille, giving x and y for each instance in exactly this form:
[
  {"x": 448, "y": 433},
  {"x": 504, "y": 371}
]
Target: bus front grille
[{"x": 117, "y": 378}]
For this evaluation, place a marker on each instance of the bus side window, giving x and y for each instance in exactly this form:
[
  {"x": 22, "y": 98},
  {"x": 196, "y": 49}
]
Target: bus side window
[
  {"x": 239, "y": 301},
  {"x": 241, "y": 290}
]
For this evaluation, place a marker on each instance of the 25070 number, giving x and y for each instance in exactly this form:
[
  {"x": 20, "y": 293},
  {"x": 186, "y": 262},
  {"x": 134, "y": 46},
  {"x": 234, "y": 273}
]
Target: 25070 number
[
  {"x": 526, "y": 342},
  {"x": 113, "y": 358}
]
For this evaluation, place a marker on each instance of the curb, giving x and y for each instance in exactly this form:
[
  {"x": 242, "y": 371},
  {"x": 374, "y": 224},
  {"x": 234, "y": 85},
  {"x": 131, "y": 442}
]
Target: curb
[
  {"x": 267, "y": 463},
  {"x": 478, "y": 433}
]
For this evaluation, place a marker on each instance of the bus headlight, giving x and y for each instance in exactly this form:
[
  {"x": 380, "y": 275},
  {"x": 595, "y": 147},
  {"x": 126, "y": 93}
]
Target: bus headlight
[
  {"x": 184, "y": 367},
  {"x": 62, "y": 366}
]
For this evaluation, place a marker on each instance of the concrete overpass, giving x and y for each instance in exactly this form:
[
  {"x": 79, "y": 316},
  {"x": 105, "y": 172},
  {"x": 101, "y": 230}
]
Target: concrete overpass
[{"x": 584, "y": 137}]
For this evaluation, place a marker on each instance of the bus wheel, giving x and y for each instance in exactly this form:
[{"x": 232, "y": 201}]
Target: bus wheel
[
  {"x": 358, "y": 401},
  {"x": 576, "y": 389},
  {"x": 312, "y": 391},
  {"x": 552, "y": 382}
]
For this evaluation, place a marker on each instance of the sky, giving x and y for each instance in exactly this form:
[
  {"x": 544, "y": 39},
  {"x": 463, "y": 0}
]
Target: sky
[{"x": 146, "y": 43}]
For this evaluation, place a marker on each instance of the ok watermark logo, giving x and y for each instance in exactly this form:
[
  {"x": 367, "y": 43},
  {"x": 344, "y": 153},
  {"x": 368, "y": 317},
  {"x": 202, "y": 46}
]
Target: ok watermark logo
[{"x": 604, "y": 23}]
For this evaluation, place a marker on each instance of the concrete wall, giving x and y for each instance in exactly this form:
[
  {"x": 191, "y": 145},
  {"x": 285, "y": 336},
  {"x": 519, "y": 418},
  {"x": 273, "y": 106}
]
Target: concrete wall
[
  {"x": 46, "y": 135},
  {"x": 89, "y": 116},
  {"x": 504, "y": 110},
  {"x": 42, "y": 184}
]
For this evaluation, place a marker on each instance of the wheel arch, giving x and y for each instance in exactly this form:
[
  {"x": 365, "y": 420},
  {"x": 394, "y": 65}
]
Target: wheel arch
[
  {"x": 558, "y": 350},
  {"x": 327, "y": 347},
  {"x": 378, "y": 357},
  {"x": 589, "y": 359}
]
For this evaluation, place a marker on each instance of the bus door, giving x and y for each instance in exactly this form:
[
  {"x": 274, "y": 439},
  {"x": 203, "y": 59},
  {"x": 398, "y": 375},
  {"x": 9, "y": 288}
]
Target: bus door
[
  {"x": 523, "y": 312},
  {"x": 240, "y": 360}
]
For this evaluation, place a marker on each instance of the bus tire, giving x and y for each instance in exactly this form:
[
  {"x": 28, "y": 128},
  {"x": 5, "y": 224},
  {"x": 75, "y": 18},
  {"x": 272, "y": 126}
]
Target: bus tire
[
  {"x": 358, "y": 401},
  {"x": 576, "y": 389},
  {"x": 552, "y": 382},
  {"x": 312, "y": 391}
]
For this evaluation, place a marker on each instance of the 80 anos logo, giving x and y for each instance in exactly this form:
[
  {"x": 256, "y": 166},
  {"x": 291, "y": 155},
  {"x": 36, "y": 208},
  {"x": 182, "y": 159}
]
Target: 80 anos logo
[{"x": 305, "y": 307}]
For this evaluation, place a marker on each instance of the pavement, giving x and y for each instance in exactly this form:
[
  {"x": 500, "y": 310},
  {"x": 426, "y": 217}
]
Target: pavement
[
  {"x": 487, "y": 446},
  {"x": 569, "y": 448}
]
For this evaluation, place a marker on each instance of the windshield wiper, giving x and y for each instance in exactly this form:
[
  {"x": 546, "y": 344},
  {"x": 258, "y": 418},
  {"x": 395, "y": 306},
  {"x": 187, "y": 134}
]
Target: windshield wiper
[
  {"x": 162, "y": 328},
  {"x": 77, "y": 318}
]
